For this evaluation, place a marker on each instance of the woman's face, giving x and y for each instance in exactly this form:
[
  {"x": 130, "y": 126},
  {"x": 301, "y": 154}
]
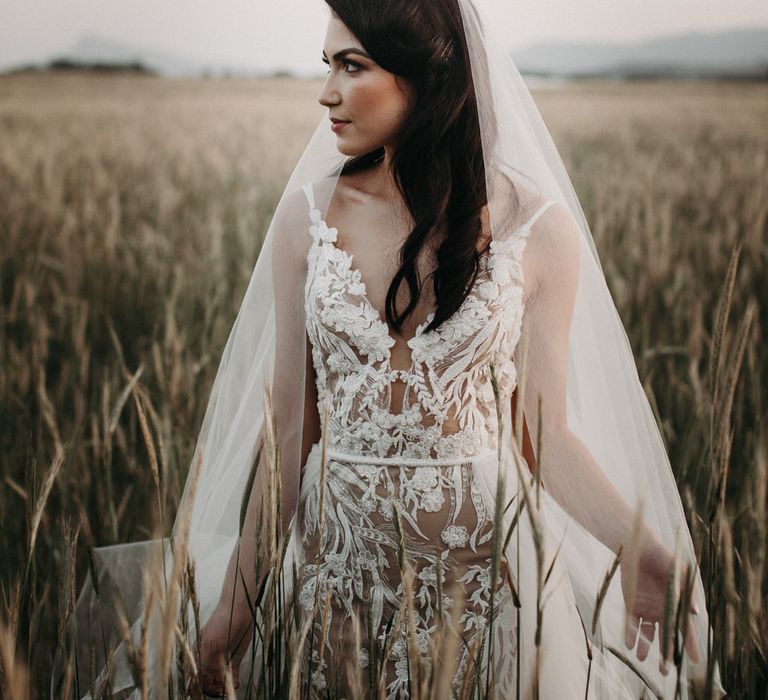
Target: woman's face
[{"x": 373, "y": 102}]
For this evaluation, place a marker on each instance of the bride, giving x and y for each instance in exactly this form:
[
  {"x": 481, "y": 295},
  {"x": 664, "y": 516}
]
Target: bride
[
  {"x": 419, "y": 300},
  {"x": 462, "y": 442}
]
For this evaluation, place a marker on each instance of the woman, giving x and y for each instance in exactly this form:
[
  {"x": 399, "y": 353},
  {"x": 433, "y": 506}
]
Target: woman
[
  {"x": 416, "y": 283},
  {"x": 429, "y": 391}
]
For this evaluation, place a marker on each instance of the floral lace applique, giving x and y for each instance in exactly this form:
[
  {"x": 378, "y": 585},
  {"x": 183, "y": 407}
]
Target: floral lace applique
[
  {"x": 355, "y": 559},
  {"x": 449, "y": 380},
  {"x": 447, "y": 418}
]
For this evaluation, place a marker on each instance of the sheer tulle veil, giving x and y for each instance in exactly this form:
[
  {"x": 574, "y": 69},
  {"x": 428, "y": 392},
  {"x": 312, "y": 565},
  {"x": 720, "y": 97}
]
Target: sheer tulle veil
[{"x": 267, "y": 349}]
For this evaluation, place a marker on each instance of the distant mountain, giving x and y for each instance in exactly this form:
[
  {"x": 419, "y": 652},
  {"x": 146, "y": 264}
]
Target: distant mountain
[
  {"x": 91, "y": 49},
  {"x": 694, "y": 53}
]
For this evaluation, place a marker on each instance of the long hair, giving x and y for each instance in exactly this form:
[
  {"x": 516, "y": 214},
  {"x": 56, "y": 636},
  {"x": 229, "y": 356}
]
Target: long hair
[{"x": 438, "y": 164}]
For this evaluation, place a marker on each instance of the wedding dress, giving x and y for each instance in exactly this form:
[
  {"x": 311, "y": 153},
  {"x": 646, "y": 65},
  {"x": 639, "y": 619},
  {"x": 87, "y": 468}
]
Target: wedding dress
[{"x": 434, "y": 455}]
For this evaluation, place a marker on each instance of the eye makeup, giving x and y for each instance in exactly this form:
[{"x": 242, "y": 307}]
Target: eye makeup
[{"x": 346, "y": 62}]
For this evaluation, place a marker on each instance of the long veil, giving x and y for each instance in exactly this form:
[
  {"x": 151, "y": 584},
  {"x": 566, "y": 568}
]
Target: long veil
[
  {"x": 260, "y": 393},
  {"x": 607, "y": 408}
]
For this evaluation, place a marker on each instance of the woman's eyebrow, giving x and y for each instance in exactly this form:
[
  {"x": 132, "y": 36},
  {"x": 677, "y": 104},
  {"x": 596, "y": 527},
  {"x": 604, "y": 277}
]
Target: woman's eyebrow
[{"x": 339, "y": 55}]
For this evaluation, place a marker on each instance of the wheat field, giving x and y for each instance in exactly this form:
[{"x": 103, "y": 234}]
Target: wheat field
[{"x": 131, "y": 213}]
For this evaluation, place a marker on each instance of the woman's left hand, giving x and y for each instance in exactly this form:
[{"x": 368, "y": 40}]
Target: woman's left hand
[{"x": 654, "y": 567}]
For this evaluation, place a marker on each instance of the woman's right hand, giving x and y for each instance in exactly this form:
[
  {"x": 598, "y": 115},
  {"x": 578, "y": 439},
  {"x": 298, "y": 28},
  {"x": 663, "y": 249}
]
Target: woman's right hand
[{"x": 214, "y": 650}]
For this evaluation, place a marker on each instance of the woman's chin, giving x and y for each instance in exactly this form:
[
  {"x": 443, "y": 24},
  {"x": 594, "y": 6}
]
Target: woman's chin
[{"x": 348, "y": 147}]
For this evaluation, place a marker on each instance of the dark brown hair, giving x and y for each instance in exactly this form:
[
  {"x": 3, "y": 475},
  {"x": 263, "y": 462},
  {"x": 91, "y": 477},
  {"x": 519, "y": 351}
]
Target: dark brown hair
[{"x": 438, "y": 165}]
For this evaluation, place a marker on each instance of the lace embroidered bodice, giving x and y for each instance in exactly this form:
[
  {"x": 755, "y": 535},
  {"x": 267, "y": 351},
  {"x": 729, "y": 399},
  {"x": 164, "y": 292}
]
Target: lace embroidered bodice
[
  {"x": 449, "y": 407},
  {"x": 417, "y": 458}
]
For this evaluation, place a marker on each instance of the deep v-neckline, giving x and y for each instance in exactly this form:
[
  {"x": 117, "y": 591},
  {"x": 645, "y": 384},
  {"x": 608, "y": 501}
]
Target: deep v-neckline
[{"x": 419, "y": 332}]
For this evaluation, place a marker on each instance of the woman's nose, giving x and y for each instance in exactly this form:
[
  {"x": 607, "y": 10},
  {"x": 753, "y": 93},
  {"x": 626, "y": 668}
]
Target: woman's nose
[{"x": 328, "y": 96}]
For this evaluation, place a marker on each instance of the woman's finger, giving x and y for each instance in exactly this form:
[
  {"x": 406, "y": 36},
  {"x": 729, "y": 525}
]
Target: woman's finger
[
  {"x": 212, "y": 682},
  {"x": 630, "y": 634},
  {"x": 694, "y": 607},
  {"x": 663, "y": 666},
  {"x": 647, "y": 633}
]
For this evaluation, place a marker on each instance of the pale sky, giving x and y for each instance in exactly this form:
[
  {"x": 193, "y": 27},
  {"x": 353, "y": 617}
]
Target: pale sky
[{"x": 289, "y": 34}]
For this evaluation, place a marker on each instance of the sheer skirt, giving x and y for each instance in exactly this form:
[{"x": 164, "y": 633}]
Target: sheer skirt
[{"x": 375, "y": 517}]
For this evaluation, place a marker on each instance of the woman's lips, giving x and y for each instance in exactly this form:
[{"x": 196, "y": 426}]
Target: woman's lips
[{"x": 337, "y": 125}]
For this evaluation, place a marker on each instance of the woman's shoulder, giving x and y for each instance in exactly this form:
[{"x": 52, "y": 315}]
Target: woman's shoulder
[
  {"x": 293, "y": 215},
  {"x": 337, "y": 193},
  {"x": 290, "y": 237},
  {"x": 519, "y": 206},
  {"x": 552, "y": 234},
  {"x": 522, "y": 208},
  {"x": 553, "y": 248},
  {"x": 550, "y": 223}
]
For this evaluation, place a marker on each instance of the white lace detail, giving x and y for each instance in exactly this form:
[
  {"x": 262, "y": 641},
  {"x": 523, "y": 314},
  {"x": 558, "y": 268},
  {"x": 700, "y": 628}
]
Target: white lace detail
[
  {"x": 446, "y": 530},
  {"x": 449, "y": 380},
  {"x": 377, "y": 458}
]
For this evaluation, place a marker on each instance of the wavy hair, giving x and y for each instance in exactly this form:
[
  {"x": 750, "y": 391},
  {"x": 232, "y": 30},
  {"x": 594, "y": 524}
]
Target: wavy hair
[{"x": 438, "y": 165}]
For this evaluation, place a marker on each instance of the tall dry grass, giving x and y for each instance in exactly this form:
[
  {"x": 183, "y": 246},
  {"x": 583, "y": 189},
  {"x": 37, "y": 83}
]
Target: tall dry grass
[{"x": 131, "y": 211}]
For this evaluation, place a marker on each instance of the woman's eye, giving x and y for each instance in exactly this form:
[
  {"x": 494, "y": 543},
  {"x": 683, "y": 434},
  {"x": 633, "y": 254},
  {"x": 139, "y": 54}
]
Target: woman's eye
[{"x": 347, "y": 64}]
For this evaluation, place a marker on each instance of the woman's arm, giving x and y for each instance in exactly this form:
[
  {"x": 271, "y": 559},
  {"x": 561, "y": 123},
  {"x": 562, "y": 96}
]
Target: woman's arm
[
  {"x": 294, "y": 401},
  {"x": 246, "y": 557},
  {"x": 227, "y": 631},
  {"x": 569, "y": 471}
]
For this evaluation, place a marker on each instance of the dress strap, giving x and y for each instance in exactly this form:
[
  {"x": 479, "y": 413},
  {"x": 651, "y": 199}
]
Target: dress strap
[
  {"x": 527, "y": 226},
  {"x": 317, "y": 227},
  {"x": 506, "y": 244}
]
